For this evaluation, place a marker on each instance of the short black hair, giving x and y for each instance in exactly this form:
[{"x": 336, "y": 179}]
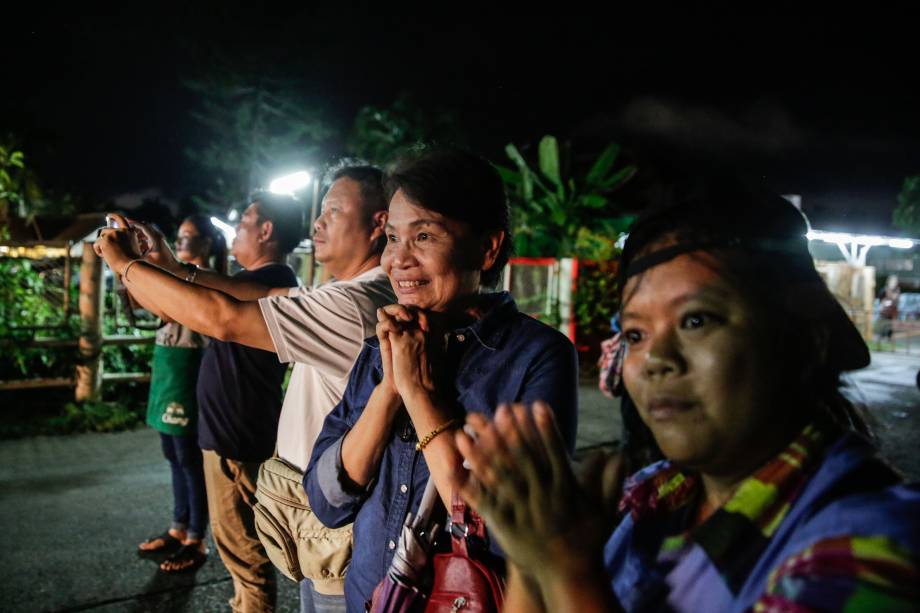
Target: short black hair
[
  {"x": 370, "y": 181},
  {"x": 367, "y": 176},
  {"x": 459, "y": 185},
  {"x": 286, "y": 215}
]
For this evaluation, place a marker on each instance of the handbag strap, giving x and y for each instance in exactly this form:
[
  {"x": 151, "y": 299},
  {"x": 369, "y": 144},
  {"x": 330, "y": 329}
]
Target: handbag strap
[{"x": 466, "y": 527}]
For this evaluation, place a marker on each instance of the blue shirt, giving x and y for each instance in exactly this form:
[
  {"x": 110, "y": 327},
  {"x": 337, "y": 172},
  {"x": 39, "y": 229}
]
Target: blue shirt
[{"x": 504, "y": 357}]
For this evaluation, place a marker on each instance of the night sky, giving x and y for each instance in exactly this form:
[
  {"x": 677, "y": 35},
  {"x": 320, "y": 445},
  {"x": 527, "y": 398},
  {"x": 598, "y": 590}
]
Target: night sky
[{"x": 821, "y": 106}]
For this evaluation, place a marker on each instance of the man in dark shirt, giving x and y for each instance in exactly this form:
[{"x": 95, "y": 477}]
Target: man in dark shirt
[
  {"x": 239, "y": 393},
  {"x": 239, "y": 401}
]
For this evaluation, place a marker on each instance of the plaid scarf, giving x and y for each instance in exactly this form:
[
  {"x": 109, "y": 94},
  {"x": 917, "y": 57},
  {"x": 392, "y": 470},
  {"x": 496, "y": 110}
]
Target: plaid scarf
[{"x": 736, "y": 534}]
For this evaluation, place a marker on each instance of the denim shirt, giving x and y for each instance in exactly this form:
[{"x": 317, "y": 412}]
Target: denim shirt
[{"x": 504, "y": 357}]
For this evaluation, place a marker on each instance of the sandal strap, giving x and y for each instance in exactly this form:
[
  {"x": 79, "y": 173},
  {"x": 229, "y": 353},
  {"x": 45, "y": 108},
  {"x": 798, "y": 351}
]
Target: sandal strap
[
  {"x": 191, "y": 551},
  {"x": 165, "y": 536},
  {"x": 188, "y": 556}
]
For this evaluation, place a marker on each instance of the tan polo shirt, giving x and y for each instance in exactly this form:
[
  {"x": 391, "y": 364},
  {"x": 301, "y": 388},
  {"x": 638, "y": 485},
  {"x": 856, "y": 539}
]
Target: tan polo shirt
[{"x": 321, "y": 330}]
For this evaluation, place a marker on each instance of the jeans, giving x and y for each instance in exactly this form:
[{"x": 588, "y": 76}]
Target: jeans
[
  {"x": 190, "y": 502},
  {"x": 312, "y": 601}
]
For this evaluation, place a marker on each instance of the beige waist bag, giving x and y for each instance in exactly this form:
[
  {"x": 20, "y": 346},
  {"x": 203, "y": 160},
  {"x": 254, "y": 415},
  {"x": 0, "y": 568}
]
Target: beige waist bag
[{"x": 296, "y": 541}]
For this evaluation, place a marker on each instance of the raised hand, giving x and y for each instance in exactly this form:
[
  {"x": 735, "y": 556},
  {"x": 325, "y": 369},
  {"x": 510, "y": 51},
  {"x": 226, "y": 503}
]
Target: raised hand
[
  {"x": 158, "y": 251},
  {"x": 391, "y": 321},
  {"x": 411, "y": 363},
  {"x": 549, "y": 520},
  {"x": 119, "y": 245}
]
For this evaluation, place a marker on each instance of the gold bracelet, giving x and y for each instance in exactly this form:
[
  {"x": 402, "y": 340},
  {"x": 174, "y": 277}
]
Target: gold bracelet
[
  {"x": 124, "y": 273},
  {"x": 431, "y": 435}
]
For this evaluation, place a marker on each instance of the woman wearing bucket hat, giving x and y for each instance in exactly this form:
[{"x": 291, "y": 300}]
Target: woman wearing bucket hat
[{"x": 769, "y": 496}]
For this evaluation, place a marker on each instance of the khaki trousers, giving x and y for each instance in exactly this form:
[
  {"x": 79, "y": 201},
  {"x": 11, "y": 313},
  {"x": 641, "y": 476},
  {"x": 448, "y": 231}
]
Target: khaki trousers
[{"x": 231, "y": 488}]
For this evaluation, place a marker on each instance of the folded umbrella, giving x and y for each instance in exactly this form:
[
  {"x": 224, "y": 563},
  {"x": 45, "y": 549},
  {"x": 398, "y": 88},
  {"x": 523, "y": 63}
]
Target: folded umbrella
[{"x": 399, "y": 592}]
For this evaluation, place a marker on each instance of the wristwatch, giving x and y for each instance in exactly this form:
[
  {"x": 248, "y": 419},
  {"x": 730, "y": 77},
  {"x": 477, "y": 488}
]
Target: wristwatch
[{"x": 191, "y": 274}]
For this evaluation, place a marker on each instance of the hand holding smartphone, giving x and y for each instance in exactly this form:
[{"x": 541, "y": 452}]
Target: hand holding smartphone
[{"x": 139, "y": 240}]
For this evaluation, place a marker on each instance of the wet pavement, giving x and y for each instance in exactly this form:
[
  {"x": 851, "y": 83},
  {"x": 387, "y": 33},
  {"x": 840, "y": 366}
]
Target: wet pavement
[{"x": 74, "y": 507}]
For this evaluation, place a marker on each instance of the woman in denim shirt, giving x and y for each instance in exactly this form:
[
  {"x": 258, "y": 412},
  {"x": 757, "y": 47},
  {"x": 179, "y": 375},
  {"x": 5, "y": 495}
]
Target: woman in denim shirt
[{"x": 448, "y": 348}]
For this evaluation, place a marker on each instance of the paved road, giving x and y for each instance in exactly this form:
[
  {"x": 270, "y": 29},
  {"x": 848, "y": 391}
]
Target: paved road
[
  {"x": 74, "y": 507},
  {"x": 888, "y": 389}
]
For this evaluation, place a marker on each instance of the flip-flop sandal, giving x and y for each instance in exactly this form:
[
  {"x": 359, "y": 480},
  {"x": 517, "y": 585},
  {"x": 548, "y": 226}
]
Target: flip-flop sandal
[
  {"x": 189, "y": 557},
  {"x": 167, "y": 540}
]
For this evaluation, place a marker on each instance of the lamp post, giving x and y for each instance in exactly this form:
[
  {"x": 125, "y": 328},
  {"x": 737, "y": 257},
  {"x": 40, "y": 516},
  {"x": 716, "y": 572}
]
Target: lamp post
[
  {"x": 226, "y": 229},
  {"x": 290, "y": 185}
]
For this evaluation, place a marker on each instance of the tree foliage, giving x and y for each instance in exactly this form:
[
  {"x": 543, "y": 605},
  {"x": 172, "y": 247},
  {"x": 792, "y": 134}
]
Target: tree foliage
[
  {"x": 20, "y": 191},
  {"x": 378, "y": 134},
  {"x": 256, "y": 126},
  {"x": 12, "y": 182},
  {"x": 559, "y": 212},
  {"x": 907, "y": 214}
]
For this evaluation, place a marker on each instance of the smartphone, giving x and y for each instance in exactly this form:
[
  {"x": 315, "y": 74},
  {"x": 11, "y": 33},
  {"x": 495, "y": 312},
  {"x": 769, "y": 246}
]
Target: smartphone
[{"x": 111, "y": 222}]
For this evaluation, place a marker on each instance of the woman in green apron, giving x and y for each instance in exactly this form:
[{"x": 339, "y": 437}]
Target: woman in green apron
[{"x": 172, "y": 410}]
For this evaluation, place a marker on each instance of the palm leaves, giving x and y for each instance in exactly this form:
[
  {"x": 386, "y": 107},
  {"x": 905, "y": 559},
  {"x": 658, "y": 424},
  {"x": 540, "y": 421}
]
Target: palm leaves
[{"x": 557, "y": 213}]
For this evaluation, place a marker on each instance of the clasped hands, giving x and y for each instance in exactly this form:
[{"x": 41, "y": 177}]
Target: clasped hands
[{"x": 403, "y": 333}]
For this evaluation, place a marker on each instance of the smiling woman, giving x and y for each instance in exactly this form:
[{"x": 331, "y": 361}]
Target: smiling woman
[
  {"x": 450, "y": 347},
  {"x": 422, "y": 255},
  {"x": 770, "y": 497}
]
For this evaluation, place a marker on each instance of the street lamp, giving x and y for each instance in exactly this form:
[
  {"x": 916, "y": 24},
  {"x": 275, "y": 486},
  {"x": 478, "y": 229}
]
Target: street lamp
[
  {"x": 290, "y": 184},
  {"x": 226, "y": 229}
]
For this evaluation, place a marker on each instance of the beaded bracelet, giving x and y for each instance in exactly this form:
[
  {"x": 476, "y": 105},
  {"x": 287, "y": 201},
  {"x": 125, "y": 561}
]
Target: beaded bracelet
[{"x": 431, "y": 435}]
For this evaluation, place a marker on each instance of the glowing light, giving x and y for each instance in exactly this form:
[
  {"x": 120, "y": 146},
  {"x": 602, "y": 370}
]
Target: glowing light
[
  {"x": 289, "y": 184},
  {"x": 855, "y": 247},
  {"x": 33, "y": 252},
  {"x": 863, "y": 240},
  {"x": 228, "y": 231}
]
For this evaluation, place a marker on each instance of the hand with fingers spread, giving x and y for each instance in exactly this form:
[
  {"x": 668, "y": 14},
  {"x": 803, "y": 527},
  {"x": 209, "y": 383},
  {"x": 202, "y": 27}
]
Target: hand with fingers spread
[{"x": 550, "y": 521}]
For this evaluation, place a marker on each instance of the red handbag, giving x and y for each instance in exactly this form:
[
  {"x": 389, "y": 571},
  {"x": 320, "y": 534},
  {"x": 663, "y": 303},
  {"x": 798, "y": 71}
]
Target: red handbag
[{"x": 469, "y": 578}]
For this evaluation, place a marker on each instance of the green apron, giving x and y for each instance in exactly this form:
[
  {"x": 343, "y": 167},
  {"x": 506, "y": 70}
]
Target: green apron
[{"x": 172, "y": 407}]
